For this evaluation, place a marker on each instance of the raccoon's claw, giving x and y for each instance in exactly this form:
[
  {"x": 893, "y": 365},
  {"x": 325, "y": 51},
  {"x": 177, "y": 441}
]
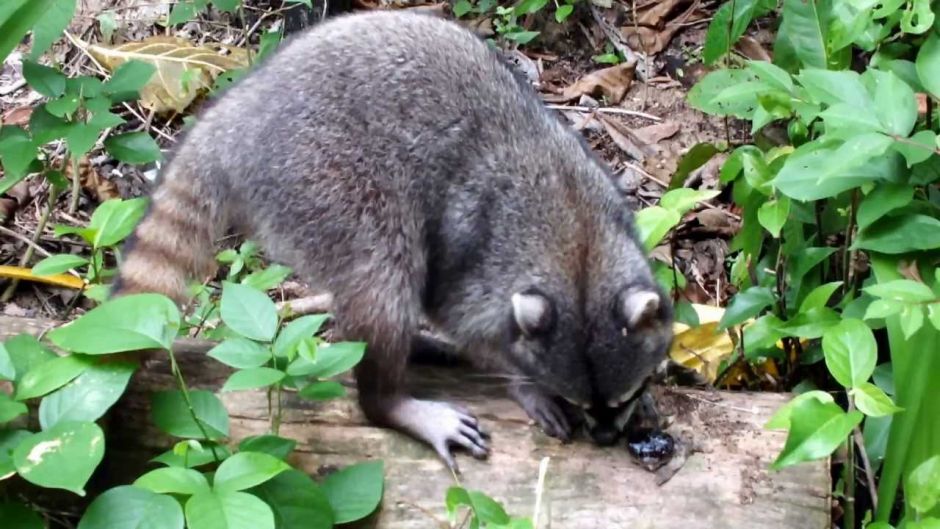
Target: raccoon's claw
[
  {"x": 545, "y": 411},
  {"x": 442, "y": 425}
]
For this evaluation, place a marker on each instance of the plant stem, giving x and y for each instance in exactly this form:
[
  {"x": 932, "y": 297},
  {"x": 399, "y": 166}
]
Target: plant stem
[
  {"x": 181, "y": 382},
  {"x": 866, "y": 463},
  {"x": 76, "y": 185},
  {"x": 28, "y": 254},
  {"x": 849, "y": 255},
  {"x": 849, "y": 479}
]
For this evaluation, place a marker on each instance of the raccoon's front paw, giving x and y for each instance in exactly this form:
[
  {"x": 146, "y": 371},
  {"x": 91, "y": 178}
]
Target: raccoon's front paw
[
  {"x": 441, "y": 425},
  {"x": 544, "y": 410}
]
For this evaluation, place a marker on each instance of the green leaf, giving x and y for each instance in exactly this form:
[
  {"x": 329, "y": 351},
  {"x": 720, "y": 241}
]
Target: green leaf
[
  {"x": 911, "y": 319},
  {"x": 253, "y": 378},
  {"x": 7, "y": 371},
  {"x": 920, "y": 11},
  {"x": 900, "y": 234},
  {"x": 684, "y": 199},
  {"x": 128, "y": 79},
  {"x": 88, "y": 396},
  {"x": 115, "y": 219},
  {"x": 62, "y": 457},
  {"x": 805, "y": 24},
  {"x": 193, "y": 456},
  {"x": 229, "y": 6},
  {"x": 297, "y": 502},
  {"x": 9, "y": 440},
  {"x": 17, "y": 152},
  {"x": 173, "y": 480},
  {"x": 819, "y": 296},
  {"x": 272, "y": 445},
  {"x": 811, "y": 324},
  {"x": 886, "y": 197},
  {"x": 171, "y": 414},
  {"x": 461, "y": 8},
  {"x": 772, "y": 74},
  {"x": 894, "y": 101},
  {"x": 521, "y": 37},
  {"x": 922, "y": 487},
  {"x": 918, "y": 147},
  {"x": 43, "y": 79},
  {"x": 933, "y": 314},
  {"x": 831, "y": 87},
  {"x": 227, "y": 510},
  {"x": 355, "y": 491},
  {"x": 245, "y": 470},
  {"x": 17, "y": 17},
  {"x": 653, "y": 223},
  {"x": 851, "y": 352},
  {"x": 697, "y": 156},
  {"x": 904, "y": 290},
  {"x": 873, "y": 402},
  {"x": 562, "y": 12},
  {"x": 702, "y": 95},
  {"x": 241, "y": 353},
  {"x": 295, "y": 331},
  {"x": 18, "y": 516},
  {"x": 127, "y": 323},
  {"x": 248, "y": 312},
  {"x": 773, "y": 215},
  {"x": 10, "y": 409},
  {"x": 847, "y": 119},
  {"x": 745, "y": 305},
  {"x": 80, "y": 137},
  {"x": 928, "y": 64},
  {"x": 882, "y": 308},
  {"x": 45, "y": 127},
  {"x": 26, "y": 353},
  {"x": 816, "y": 430},
  {"x": 130, "y": 507},
  {"x": 799, "y": 178},
  {"x": 526, "y": 7},
  {"x": 133, "y": 147},
  {"x": 323, "y": 390},
  {"x": 51, "y": 375},
  {"x": 268, "y": 278},
  {"x": 57, "y": 264},
  {"x": 49, "y": 27},
  {"x": 331, "y": 360}
]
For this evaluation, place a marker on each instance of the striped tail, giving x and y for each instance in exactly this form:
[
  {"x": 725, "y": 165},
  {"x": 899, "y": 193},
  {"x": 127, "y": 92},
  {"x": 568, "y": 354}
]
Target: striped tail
[{"x": 172, "y": 245}]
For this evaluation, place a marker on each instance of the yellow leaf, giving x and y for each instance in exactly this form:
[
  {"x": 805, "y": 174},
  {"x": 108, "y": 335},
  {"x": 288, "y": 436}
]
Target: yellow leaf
[
  {"x": 183, "y": 69},
  {"x": 702, "y": 348},
  {"x": 59, "y": 280}
]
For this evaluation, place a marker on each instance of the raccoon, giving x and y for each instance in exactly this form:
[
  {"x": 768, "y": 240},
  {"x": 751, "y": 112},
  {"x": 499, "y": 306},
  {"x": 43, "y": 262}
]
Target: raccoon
[{"x": 394, "y": 160}]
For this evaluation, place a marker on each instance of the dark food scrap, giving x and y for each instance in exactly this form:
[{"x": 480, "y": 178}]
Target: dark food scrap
[{"x": 651, "y": 448}]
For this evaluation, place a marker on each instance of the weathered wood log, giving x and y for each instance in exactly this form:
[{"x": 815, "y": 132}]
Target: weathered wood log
[{"x": 727, "y": 483}]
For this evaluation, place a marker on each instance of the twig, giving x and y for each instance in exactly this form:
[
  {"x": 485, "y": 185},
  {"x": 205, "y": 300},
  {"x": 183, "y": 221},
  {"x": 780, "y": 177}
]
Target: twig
[
  {"x": 849, "y": 479},
  {"x": 869, "y": 473},
  {"x": 849, "y": 255},
  {"x": 28, "y": 254},
  {"x": 316, "y": 304},
  {"x": 615, "y": 40},
  {"x": 539, "y": 490},
  {"x": 33, "y": 245},
  {"x": 606, "y": 110}
]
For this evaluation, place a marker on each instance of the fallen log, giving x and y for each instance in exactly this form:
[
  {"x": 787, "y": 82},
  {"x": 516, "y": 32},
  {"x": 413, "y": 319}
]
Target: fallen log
[{"x": 725, "y": 482}]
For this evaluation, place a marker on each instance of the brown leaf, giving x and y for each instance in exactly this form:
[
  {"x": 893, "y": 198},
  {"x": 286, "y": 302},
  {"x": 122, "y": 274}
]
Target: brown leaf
[
  {"x": 750, "y": 48},
  {"x": 625, "y": 139},
  {"x": 655, "y": 16},
  {"x": 17, "y": 116},
  {"x": 177, "y": 60},
  {"x": 612, "y": 82},
  {"x": 99, "y": 187},
  {"x": 658, "y": 132},
  {"x": 8, "y": 207},
  {"x": 921, "y": 104}
]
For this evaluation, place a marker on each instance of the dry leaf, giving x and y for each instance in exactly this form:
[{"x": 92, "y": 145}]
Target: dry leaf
[
  {"x": 921, "y": 104},
  {"x": 655, "y": 15},
  {"x": 17, "y": 116},
  {"x": 98, "y": 186},
  {"x": 612, "y": 82},
  {"x": 648, "y": 40},
  {"x": 184, "y": 70},
  {"x": 656, "y": 133},
  {"x": 625, "y": 139},
  {"x": 750, "y": 48},
  {"x": 702, "y": 348},
  {"x": 59, "y": 280}
]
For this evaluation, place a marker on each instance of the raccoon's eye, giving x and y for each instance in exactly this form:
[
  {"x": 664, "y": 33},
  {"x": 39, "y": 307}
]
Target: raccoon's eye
[
  {"x": 637, "y": 307},
  {"x": 532, "y": 312}
]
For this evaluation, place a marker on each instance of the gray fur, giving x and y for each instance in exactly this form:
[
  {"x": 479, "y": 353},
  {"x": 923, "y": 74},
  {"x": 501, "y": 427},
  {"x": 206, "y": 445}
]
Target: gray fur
[{"x": 393, "y": 160}]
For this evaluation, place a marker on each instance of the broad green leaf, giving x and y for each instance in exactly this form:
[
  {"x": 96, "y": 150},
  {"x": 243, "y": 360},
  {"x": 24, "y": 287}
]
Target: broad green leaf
[
  {"x": 886, "y": 197},
  {"x": 816, "y": 430},
  {"x": 130, "y": 507},
  {"x": 811, "y": 324},
  {"x": 653, "y": 223},
  {"x": 331, "y": 360},
  {"x": 695, "y": 157},
  {"x": 62, "y": 457},
  {"x": 241, "y": 353},
  {"x": 911, "y": 320},
  {"x": 248, "y": 312},
  {"x": 773, "y": 215},
  {"x": 10, "y": 409},
  {"x": 127, "y": 323},
  {"x": 57, "y": 264},
  {"x": 18, "y": 516},
  {"x": 128, "y": 79},
  {"x": 831, "y": 87},
  {"x": 133, "y": 147},
  {"x": 904, "y": 290},
  {"x": 268, "y": 278},
  {"x": 9, "y": 440},
  {"x": 772, "y": 75},
  {"x": 684, "y": 199},
  {"x": 297, "y": 502},
  {"x": 922, "y": 487},
  {"x": 115, "y": 219},
  {"x": 80, "y": 137},
  {"x": 526, "y": 7},
  {"x": 297, "y": 330},
  {"x": 355, "y": 491},
  {"x": 701, "y": 95},
  {"x": 894, "y": 101},
  {"x": 900, "y": 234},
  {"x": 17, "y": 152},
  {"x": 25, "y": 354},
  {"x": 562, "y": 12},
  {"x": 45, "y": 127},
  {"x": 173, "y": 480},
  {"x": 323, "y": 390},
  {"x": 7, "y": 371},
  {"x": 882, "y": 308},
  {"x": 87, "y": 397},
  {"x": 851, "y": 352},
  {"x": 190, "y": 457},
  {"x": 17, "y": 17},
  {"x": 49, "y": 27},
  {"x": 253, "y": 378},
  {"x": 871, "y": 401},
  {"x": 272, "y": 445},
  {"x": 745, "y": 305},
  {"x": 819, "y": 296},
  {"x": 799, "y": 178},
  {"x": 185, "y": 11},
  {"x": 805, "y": 24},
  {"x": 171, "y": 414},
  {"x": 933, "y": 314},
  {"x": 928, "y": 64},
  {"x": 50, "y": 376},
  {"x": 245, "y": 470},
  {"x": 849, "y": 119},
  {"x": 461, "y": 8},
  {"x": 917, "y": 148},
  {"x": 919, "y": 11},
  {"x": 43, "y": 79},
  {"x": 227, "y": 510}
]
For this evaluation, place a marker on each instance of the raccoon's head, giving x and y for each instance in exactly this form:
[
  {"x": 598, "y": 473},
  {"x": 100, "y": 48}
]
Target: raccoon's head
[{"x": 627, "y": 345}]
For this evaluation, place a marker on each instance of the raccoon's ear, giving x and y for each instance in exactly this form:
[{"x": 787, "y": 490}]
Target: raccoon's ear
[
  {"x": 637, "y": 307},
  {"x": 532, "y": 313}
]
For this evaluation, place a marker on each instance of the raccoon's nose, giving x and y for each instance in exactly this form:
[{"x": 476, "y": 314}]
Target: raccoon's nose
[{"x": 604, "y": 434}]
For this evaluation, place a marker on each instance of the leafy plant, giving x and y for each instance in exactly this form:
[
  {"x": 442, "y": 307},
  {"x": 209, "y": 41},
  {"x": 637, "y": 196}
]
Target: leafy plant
[{"x": 506, "y": 21}]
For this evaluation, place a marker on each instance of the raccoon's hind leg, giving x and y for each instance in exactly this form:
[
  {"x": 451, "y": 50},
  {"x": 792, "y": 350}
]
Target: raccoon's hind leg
[{"x": 382, "y": 315}]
